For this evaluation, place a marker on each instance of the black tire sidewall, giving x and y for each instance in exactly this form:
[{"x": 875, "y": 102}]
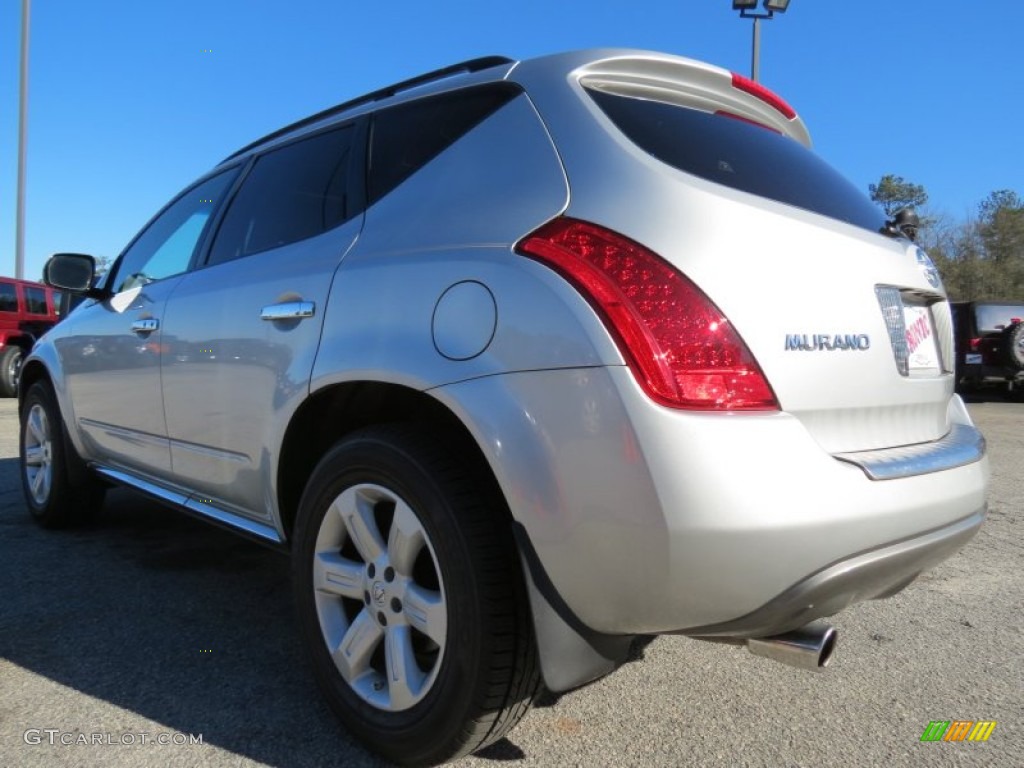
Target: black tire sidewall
[
  {"x": 52, "y": 513},
  {"x": 426, "y": 729},
  {"x": 9, "y": 381}
]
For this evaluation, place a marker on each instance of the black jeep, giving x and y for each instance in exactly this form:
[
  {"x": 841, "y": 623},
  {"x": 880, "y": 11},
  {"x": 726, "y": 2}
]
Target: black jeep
[{"x": 989, "y": 338}]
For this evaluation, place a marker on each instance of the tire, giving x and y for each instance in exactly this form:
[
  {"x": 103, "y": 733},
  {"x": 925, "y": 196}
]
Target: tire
[
  {"x": 10, "y": 370},
  {"x": 1013, "y": 346},
  {"x": 406, "y": 568},
  {"x": 59, "y": 489}
]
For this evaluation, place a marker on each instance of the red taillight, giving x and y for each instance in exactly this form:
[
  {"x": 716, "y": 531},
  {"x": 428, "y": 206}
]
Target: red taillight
[
  {"x": 975, "y": 345},
  {"x": 759, "y": 91},
  {"x": 681, "y": 348}
]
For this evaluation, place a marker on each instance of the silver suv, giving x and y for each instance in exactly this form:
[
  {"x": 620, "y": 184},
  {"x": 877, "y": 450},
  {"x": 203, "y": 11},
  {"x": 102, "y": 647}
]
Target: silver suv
[{"x": 521, "y": 360}]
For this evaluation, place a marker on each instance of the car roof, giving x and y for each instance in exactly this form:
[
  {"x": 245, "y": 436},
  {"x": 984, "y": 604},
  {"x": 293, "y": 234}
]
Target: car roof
[
  {"x": 381, "y": 94},
  {"x": 19, "y": 281},
  {"x": 644, "y": 74}
]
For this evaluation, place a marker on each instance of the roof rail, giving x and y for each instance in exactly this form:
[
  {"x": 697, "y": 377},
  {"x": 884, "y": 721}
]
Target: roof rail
[{"x": 472, "y": 65}]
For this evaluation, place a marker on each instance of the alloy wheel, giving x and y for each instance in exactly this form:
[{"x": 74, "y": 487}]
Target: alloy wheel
[
  {"x": 38, "y": 454},
  {"x": 379, "y": 597}
]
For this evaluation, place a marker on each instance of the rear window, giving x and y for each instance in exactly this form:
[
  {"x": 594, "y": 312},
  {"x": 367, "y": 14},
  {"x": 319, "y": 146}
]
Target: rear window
[
  {"x": 995, "y": 317},
  {"x": 739, "y": 155}
]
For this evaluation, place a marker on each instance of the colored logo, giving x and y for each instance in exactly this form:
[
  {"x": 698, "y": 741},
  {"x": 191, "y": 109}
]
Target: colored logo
[
  {"x": 958, "y": 730},
  {"x": 927, "y": 266}
]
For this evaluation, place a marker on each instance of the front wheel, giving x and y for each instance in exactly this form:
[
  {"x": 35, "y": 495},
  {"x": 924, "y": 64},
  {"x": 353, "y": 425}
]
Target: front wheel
[
  {"x": 410, "y": 598},
  {"x": 59, "y": 489}
]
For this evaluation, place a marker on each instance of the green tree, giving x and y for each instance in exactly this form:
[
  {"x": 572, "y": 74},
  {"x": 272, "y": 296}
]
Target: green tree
[
  {"x": 1001, "y": 230},
  {"x": 1001, "y": 216},
  {"x": 894, "y": 192}
]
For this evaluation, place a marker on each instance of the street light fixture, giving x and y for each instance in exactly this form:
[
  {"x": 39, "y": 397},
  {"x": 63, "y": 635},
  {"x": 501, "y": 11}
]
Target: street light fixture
[{"x": 748, "y": 10}]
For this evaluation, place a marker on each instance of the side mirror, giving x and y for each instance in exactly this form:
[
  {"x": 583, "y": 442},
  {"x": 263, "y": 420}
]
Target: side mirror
[{"x": 72, "y": 272}]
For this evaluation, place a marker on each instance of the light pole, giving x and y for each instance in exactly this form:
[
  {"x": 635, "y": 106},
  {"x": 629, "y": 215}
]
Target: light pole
[
  {"x": 748, "y": 10},
  {"x": 19, "y": 221}
]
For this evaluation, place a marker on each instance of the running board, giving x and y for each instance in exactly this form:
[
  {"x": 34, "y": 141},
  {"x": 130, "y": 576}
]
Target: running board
[{"x": 200, "y": 506}]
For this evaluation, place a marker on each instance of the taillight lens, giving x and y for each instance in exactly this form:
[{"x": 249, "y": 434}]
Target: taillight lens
[
  {"x": 975, "y": 344},
  {"x": 681, "y": 348}
]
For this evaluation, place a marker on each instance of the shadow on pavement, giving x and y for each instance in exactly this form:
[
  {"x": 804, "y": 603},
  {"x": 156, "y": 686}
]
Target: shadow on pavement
[{"x": 166, "y": 617}]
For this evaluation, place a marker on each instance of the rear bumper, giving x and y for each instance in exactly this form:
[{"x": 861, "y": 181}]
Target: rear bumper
[
  {"x": 875, "y": 574},
  {"x": 646, "y": 520},
  {"x": 979, "y": 373}
]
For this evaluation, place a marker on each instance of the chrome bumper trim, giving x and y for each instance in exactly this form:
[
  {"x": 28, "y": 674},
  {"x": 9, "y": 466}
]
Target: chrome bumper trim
[{"x": 962, "y": 445}]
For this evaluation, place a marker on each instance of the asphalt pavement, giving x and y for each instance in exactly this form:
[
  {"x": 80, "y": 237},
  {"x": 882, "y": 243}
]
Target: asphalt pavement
[{"x": 129, "y": 642}]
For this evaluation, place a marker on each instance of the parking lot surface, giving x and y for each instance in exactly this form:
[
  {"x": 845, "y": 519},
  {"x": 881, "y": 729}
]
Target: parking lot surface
[{"x": 150, "y": 627}]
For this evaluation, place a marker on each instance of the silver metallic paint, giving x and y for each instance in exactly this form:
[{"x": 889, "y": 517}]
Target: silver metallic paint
[{"x": 634, "y": 510}]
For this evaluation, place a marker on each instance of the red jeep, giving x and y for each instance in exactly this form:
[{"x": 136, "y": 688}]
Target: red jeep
[{"x": 27, "y": 311}]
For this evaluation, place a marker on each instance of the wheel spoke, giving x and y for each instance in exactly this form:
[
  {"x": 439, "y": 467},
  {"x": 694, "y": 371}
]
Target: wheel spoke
[
  {"x": 426, "y": 612},
  {"x": 356, "y": 510},
  {"x": 405, "y": 678},
  {"x": 338, "y": 575},
  {"x": 352, "y": 657},
  {"x": 405, "y": 539},
  {"x": 34, "y": 456},
  {"x": 37, "y": 425},
  {"x": 40, "y": 485}
]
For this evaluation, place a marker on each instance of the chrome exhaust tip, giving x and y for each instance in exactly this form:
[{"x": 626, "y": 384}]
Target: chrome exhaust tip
[{"x": 809, "y": 647}]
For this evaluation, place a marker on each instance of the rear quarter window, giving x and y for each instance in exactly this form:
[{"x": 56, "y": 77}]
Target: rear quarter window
[
  {"x": 408, "y": 136},
  {"x": 739, "y": 155}
]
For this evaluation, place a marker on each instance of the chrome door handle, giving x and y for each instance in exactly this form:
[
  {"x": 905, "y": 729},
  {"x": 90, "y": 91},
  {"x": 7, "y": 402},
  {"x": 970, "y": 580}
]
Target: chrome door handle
[
  {"x": 288, "y": 310},
  {"x": 148, "y": 325}
]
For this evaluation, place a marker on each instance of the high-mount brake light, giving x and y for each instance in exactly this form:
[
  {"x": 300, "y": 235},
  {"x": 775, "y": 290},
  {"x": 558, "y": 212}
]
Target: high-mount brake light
[
  {"x": 681, "y": 348},
  {"x": 758, "y": 91}
]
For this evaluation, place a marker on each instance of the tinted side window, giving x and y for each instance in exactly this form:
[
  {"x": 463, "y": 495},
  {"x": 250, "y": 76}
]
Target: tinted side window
[
  {"x": 35, "y": 301},
  {"x": 292, "y": 193},
  {"x": 166, "y": 246},
  {"x": 407, "y": 137},
  {"x": 739, "y": 155},
  {"x": 8, "y": 298}
]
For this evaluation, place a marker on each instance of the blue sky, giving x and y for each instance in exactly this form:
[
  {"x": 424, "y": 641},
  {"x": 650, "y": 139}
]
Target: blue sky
[{"x": 130, "y": 101}]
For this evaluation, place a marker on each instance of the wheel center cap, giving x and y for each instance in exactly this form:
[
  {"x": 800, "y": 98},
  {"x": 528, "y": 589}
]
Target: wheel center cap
[{"x": 379, "y": 593}]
